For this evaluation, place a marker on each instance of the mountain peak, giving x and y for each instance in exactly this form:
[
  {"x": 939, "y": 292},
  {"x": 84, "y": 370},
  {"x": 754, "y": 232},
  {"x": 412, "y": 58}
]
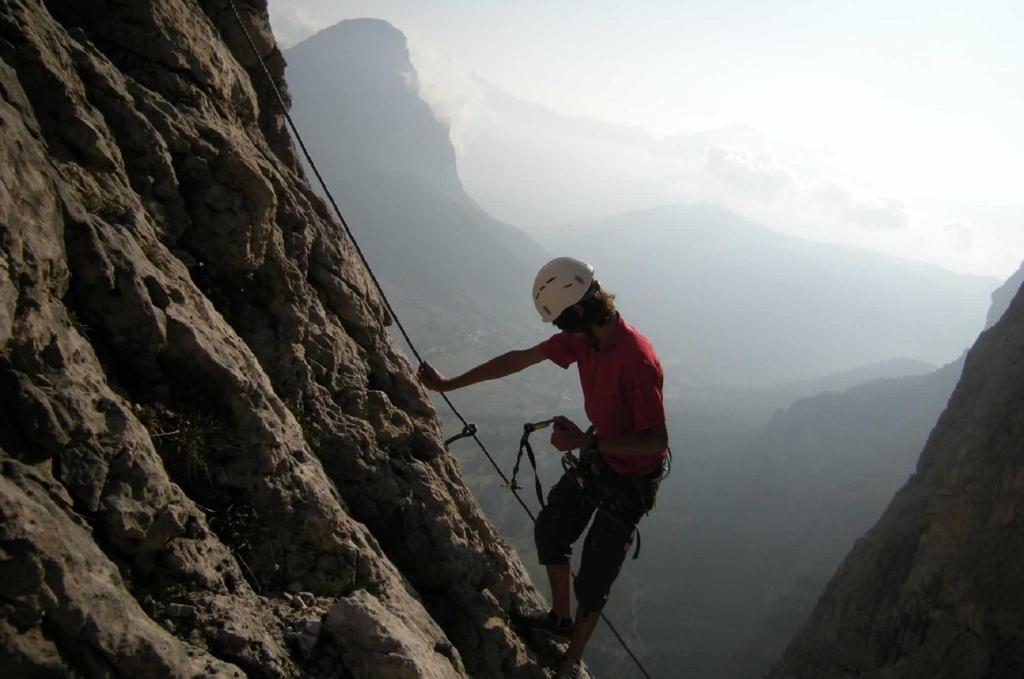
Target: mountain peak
[
  {"x": 354, "y": 83},
  {"x": 365, "y": 34}
]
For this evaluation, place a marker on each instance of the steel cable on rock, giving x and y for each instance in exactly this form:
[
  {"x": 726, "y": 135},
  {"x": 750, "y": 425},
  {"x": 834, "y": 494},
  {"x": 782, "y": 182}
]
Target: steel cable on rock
[{"x": 469, "y": 430}]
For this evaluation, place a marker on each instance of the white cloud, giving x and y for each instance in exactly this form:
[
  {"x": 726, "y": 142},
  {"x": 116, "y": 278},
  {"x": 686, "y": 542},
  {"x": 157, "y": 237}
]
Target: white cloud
[
  {"x": 959, "y": 234},
  {"x": 292, "y": 24},
  {"x": 756, "y": 180},
  {"x": 533, "y": 167},
  {"x": 756, "y": 175},
  {"x": 456, "y": 97},
  {"x": 868, "y": 213}
]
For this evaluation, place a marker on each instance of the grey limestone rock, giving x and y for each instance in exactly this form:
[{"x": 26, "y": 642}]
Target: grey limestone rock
[{"x": 201, "y": 411}]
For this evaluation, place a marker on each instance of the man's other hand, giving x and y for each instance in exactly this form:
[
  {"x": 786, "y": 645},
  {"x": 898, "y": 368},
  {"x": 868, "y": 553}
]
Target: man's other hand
[{"x": 567, "y": 436}]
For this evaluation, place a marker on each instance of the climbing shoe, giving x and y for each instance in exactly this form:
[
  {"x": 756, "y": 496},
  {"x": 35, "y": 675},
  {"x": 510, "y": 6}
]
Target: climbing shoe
[
  {"x": 545, "y": 622},
  {"x": 571, "y": 669}
]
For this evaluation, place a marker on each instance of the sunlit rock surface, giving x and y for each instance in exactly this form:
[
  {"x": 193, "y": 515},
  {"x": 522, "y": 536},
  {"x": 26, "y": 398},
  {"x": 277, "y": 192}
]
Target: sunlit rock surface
[{"x": 214, "y": 460}]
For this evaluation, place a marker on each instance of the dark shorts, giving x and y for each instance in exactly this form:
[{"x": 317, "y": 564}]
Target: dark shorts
[{"x": 625, "y": 500}]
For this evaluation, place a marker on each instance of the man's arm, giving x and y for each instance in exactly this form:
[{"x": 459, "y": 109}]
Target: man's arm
[{"x": 496, "y": 368}]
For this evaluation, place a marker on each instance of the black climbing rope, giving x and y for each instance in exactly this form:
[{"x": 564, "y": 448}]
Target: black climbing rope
[{"x": 469, "y": 430}]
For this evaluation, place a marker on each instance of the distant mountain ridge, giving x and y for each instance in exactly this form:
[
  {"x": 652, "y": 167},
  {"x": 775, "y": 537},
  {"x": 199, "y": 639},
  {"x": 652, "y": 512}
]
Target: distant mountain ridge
[
  {"x": 391, "y": 165},
  {"x": 703, "y": 282},
  {"x": 457, "y": 272}
]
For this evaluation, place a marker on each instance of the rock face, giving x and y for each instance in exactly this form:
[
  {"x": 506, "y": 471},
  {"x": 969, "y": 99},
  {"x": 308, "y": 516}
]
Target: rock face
[
  {"x": 1002, "y": 297},
  {"x": 934, "y": 589},
  {"x": 214, "y": 460}
]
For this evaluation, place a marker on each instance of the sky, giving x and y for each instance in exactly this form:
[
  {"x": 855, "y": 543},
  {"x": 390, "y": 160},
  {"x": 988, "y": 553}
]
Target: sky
[{"x": 909, "y": 111}]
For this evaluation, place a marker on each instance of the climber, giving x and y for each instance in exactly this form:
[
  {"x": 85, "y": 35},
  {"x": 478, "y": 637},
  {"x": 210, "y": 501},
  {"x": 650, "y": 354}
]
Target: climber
[{"x": 624, "y": 452}]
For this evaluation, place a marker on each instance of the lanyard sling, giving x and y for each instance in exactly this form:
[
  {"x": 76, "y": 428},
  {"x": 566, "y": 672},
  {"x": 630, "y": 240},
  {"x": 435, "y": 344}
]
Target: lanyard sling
[{"x": 524, "y": 446}]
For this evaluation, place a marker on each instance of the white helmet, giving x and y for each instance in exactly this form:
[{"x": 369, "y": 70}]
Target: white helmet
[{"x": 559, "y": 284}]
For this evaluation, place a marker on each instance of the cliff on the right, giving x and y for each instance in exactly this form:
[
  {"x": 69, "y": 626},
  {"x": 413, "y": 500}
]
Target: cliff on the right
[{"x": 936, "y": 588}]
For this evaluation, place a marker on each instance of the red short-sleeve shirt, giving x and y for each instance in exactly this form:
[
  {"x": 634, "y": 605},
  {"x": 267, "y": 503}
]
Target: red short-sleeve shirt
[{"x": 622, "y": 387}]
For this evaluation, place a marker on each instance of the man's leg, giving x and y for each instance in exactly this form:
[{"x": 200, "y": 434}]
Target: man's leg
[
  {"x": 581, "y": 631},
  {"x": 559, "y": 524},
  {"x": 604, "y": 550},
  {"x": 561, "y": 597}
]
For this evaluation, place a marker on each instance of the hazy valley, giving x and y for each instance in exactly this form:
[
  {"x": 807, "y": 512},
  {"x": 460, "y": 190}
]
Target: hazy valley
[{"x": 801, "y": 378}]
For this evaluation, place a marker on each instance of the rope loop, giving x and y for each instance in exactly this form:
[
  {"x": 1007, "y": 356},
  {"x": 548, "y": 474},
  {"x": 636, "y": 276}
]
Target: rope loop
[{"x": 467, "y": 431}]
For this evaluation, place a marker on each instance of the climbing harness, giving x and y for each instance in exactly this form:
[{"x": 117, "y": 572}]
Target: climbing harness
[
  {"x": 586, "y": 470},
  {"x": 469, "y": 430}
]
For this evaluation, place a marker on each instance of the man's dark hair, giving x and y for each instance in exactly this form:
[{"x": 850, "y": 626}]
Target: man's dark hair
[
  {"x": 603, "y": 303},
  {"x": 598, "y": 308}
]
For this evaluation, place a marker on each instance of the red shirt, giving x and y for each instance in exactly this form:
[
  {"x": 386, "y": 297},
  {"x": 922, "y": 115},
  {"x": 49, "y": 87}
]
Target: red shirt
[{"x": 622, "y": 383}]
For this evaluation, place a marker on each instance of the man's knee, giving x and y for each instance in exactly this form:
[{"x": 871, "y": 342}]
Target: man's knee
[
  {"x": 603, "y": 553},
  {"x": 560, "y": 522},
  {"x": 548, "y": 533},
  {"x": 591, "y": 594}
]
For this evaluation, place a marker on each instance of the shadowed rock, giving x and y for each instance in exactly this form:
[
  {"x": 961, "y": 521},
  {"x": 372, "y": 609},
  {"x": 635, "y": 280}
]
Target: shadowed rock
[{"x": 933, "y": 590}]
